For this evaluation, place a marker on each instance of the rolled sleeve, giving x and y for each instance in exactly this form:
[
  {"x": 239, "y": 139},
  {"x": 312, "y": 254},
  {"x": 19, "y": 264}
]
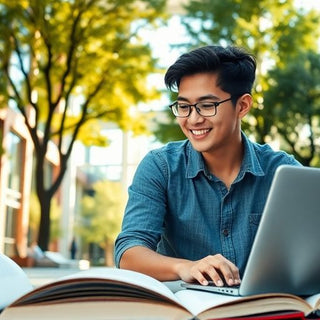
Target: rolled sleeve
[{"x": 144, "y": 215}]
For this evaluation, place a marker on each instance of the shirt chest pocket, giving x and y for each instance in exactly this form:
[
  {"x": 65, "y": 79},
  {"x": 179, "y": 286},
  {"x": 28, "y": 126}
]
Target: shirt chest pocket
[{"x": 254, "y": 221}]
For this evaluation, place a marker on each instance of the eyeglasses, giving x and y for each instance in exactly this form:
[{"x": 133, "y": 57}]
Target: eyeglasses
[{"x": 205, "y": 109}]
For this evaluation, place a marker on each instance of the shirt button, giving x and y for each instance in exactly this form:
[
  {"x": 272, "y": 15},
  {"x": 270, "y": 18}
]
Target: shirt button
[{"x": 225, "y": 232}]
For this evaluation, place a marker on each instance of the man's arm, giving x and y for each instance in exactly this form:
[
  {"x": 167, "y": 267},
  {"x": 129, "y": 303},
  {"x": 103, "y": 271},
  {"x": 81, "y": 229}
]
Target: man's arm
[{"x": 163, "y": 268}]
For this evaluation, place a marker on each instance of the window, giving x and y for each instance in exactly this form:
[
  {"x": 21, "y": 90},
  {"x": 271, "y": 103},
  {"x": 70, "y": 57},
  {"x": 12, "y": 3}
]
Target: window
[{"x": 14, "y": 151}]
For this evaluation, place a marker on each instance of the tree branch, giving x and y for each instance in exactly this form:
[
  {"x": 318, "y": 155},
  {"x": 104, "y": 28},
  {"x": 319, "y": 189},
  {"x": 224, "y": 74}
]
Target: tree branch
[
  {"x": 87, "y": 118},
  {"x": 65, "y": 156},
  {"x": 70, "y": 55},
  {"x": 26, "y": 79}
]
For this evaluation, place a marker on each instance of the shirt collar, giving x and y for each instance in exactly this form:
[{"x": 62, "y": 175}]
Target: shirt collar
[
  {"x": 250, "y": 161},
  {"x": 195, "y": 162}
]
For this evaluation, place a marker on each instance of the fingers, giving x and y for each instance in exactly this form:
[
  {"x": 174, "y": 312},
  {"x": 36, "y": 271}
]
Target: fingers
[{"x": 216, "y": 268}]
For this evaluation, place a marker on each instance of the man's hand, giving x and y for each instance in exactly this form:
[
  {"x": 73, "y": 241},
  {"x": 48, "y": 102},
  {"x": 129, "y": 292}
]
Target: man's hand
[{"x": 216, "y": 268}]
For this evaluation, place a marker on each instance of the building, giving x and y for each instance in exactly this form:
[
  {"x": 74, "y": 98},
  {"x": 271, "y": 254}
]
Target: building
[
  {"x": 16, "y": 168},
  {"x": 116, "y": 162}
]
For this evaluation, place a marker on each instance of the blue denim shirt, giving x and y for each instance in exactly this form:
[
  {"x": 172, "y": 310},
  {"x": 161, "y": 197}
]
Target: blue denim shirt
[{"x": 178, "y": 208}]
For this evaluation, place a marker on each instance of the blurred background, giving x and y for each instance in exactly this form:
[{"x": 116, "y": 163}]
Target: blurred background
[{"x": 82, "y": 100}]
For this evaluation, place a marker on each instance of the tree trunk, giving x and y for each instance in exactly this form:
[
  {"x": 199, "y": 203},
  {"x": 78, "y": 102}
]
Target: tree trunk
[{"x": 44, "y": 227}]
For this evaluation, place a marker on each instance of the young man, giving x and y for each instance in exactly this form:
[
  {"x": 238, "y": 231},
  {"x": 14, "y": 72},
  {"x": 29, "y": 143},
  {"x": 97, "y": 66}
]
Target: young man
[{"x": 194, "y": 206}]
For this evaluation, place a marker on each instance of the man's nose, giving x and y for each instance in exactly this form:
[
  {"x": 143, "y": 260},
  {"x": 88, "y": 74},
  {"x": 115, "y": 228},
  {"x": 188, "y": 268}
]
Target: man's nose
[{"x": 195, "y": 116}]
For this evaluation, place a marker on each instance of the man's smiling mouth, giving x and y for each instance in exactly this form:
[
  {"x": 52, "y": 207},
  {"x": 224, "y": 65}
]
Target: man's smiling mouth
[{"x": 199, "y": 132}]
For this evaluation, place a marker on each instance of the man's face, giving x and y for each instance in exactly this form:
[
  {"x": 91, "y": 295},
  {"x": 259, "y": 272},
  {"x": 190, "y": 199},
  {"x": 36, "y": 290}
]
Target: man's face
[{"x": 208, "y": 134}]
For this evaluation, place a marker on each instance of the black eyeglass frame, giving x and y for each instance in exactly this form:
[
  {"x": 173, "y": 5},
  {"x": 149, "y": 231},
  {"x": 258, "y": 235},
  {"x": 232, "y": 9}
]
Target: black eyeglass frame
[{"x": 214, "y": 104}]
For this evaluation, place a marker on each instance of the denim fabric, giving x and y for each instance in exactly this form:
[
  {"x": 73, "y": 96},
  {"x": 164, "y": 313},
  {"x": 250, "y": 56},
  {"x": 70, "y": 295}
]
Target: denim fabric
[{"x": 178, "y": 208}]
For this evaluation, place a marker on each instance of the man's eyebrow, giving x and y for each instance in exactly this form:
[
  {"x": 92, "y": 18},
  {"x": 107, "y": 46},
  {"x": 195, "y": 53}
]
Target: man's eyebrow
[{"x": 205, "y": 97}]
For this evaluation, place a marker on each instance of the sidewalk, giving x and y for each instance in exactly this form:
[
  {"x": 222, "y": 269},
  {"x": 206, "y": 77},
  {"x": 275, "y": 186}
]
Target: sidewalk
[{"x": 40, "y": 276}]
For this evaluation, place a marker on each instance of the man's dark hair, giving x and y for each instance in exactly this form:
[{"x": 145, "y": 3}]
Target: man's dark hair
[{"x": 234, "y": 66}]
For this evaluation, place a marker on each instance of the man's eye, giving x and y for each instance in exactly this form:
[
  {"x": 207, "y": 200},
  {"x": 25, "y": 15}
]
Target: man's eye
[
  {"x": 183, "y": 106},
  {"x": 207, "y": 105}
]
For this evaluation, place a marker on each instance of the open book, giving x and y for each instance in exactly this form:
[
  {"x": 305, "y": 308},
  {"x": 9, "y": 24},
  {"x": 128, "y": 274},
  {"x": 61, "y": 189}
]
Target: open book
[
  {"x": 13, "y": 281},
  {"x": 111, "y": 293}
]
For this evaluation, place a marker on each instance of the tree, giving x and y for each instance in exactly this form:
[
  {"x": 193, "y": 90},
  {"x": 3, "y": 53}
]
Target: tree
[
  {"x": 276, "y": 32},
  {"x": 34, "y": 219},
  {"x": 168, "y": 130},
  {"x": 293, "y": 102},
  {"x": 68, "y": 64},
  {"x": 101, "y": 215}
]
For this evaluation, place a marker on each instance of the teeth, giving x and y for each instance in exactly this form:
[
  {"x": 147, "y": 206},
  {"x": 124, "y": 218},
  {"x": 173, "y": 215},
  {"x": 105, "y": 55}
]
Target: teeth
[{"x": 199, "y": 132}]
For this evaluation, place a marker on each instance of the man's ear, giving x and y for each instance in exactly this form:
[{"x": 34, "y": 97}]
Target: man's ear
[{"x": 244, "y": 104}]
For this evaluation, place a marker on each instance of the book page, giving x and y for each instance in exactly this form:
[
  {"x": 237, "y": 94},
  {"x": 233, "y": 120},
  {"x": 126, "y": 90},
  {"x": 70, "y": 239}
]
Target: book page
[
  {"x": 106, "y": 310},
  {"x": 314, "y": 301},
  {"x": 198, "y": 301},
  {"x": 127, "y": 276},
  {"x": 13, "y": 281},
  {"x": 98, "y": 282}
]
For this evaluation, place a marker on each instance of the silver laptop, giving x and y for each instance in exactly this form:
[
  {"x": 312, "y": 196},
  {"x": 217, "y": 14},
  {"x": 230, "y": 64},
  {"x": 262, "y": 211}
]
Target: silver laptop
[{"x": 285, "y": 255}]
